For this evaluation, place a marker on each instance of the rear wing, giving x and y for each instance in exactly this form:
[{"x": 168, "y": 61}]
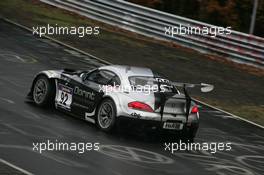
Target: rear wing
[{"x": 204, "y": 87}]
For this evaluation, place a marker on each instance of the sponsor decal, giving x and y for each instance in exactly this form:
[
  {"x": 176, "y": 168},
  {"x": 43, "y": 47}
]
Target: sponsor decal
[
  {"x": 135, "y": 115},
  {"x": 64, "y": 97},
  {"x": 83, "y": 93}
]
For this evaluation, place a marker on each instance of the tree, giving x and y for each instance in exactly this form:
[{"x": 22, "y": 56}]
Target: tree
[
  {"x": 259, "y": 28},
  {"x": 220, "y": 13},
  {"x": 233, "y": 13}
]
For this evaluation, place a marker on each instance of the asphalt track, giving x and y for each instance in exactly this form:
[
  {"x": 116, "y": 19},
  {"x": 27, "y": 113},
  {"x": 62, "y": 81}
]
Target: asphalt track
[{"x": 122, "y": 153}]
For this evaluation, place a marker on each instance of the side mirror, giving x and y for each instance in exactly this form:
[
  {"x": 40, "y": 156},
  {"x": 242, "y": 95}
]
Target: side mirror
[
  {"x": 206, "y": 87},
  {"x": 83, "y": 76}
]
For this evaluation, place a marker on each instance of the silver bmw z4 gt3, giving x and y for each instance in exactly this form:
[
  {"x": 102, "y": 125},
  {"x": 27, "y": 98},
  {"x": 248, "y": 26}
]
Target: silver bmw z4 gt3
[{"x": 109, "y": 94}]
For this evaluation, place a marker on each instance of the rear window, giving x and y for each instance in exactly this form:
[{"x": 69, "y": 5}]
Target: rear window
[
  {"x": 104, "y": 77},
  {"x": 151, "y": 83}
]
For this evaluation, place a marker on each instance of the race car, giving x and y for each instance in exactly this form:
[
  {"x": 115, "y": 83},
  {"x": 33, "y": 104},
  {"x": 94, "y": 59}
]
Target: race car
[{"x": 113, "y": 93}]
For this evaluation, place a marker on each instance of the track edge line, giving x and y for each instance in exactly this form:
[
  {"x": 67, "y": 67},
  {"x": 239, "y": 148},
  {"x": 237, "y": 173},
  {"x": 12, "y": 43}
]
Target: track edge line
[{"x": 233, "y": 115}]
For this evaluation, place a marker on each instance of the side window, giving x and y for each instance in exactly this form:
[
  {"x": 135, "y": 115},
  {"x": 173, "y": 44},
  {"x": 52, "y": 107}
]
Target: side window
[
  {"x": 92, "y": 76},
  {"x": 104, "y": 77},
  {"x": 114, "y": 81}
]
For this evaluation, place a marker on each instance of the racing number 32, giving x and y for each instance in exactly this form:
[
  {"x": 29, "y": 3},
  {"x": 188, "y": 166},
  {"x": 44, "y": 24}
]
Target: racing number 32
[{"x": 64, "y": 97}]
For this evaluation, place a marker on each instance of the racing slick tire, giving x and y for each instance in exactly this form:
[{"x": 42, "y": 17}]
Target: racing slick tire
[
  {"x": 189, "y": 134},
  {"x": 188, "y": 137},
  {"x": 43, "y": 91},
  {"x": 106, "y": 115}
]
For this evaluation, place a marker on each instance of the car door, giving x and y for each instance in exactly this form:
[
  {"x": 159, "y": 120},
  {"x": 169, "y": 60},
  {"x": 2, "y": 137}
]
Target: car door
[
  {"x": 65, "y": 93},
  {"x": 94, "y": 81},
  {"x": 72, "y": 95}
]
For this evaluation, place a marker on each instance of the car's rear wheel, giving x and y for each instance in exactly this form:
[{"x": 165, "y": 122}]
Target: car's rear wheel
[
  {"x": 106, "y": 115},
  {"x": 43, "y": 91},
  {"x": 190, "y": 133}
]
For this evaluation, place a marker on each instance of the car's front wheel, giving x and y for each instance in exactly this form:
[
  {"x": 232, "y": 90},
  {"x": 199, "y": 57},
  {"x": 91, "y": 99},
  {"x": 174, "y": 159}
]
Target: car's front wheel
[
  {"x": 106, "y": 115},
  {"x": 43, "y": 91}
]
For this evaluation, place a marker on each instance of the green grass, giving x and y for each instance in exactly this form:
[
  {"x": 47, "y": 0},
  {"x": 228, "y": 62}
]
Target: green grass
[{"x": 251, "y": 112}]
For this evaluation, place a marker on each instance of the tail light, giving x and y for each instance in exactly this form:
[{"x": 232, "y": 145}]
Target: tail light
[
  {"x": 140, "y": 106},
  {"x": 194, "y": 110}
]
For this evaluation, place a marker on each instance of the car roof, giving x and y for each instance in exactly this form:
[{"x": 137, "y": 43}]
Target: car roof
[{"x": 127, "y": 71}]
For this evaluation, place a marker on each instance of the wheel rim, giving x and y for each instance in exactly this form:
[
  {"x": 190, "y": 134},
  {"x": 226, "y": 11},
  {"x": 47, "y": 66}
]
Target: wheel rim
[
  {"x": 40, "y": 91},
  {"x": 105, "y": 115}
]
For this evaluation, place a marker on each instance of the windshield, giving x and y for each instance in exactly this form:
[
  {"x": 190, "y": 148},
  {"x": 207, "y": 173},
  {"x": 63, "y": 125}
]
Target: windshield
[{"x": 151, "y": 84}]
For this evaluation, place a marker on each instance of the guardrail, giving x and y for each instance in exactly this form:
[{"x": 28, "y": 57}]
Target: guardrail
[{"x": 238, "y": 47}]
